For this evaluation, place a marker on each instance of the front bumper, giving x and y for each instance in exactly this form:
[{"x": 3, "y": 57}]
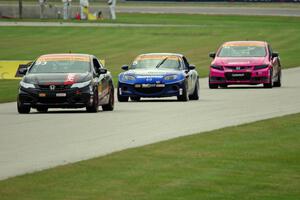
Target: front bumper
[
  {"x": 169, "y": 90},
  {"x": 69, "y": 98},
  {"x": 239, "y": 76}
]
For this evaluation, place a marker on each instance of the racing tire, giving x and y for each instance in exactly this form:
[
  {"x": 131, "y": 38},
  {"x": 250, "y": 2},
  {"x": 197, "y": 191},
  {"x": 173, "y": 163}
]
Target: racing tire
[
  {"x": 278, "y": 82},
  {"x": 110, "y": 105},
  {"x": 135, "y": 98},
  {"x": 23, "y": 109},
  {"x": 95, "y": 105},
  {"x": 184, "y": 96},
  {"x": 42, "y": 109},
  {"x": 122, "y": 98},
  {"x": 270, "y": 83},
  {"x": 195, "y": 95},
  {"x": 212, "y": 86}
]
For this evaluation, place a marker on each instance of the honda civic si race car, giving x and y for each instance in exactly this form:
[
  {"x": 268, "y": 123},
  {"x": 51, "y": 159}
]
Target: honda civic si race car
[
  {"x": 245, "y": 62},
  {"x": 159, "y": 75},
  {"x": 65, "y": 81}
]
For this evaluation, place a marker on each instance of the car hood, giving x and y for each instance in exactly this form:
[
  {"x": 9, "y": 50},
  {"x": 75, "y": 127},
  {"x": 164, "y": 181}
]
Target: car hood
[
  {"x": 57, "y": 78},
  {"x": 246, "y": 61}
]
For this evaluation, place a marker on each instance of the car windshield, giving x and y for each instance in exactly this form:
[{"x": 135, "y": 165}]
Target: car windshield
[
  {"x": 61, "y": 66},
  {"x": 242, "y": 51},
  {"x": 152, "y": 62}
]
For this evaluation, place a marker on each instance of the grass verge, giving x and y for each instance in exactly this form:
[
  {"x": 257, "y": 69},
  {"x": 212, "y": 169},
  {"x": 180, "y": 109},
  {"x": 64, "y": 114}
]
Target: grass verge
[
  {"x": 253, "y": 161},
  {"x": 120, "y": 45}
]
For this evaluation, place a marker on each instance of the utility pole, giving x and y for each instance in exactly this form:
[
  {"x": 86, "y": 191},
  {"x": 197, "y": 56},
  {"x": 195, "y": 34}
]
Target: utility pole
[{"x": 20, "y": 9}]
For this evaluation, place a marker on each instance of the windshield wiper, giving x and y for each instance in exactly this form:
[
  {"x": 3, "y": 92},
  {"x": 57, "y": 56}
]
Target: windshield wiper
[{"x": 161, "y": 62}]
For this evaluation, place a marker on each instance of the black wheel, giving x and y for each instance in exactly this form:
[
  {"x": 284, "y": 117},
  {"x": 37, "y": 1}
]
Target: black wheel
[
  {"x": 95, "y": 105},
  {"x": 42, "y": 109},
  {"x": 110, "y": 105},
  {"x": 212, "y": 86},
  {"x": 278, "y": 82},
  {"x": 184, "y": 96},
  {"x": 135, "y": 98},
  {"x": 195, "y": 95},
  {"x": 270, "y": 83},
  {"x": 122, "y": 98},
  {"x": 223, "y": 85},
  {"x": 23, "y": 109}
]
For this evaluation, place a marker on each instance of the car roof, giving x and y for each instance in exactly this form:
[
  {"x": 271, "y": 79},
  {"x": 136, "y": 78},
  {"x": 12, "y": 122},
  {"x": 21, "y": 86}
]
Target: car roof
[
  {"x": 162, "y": 54},
  {"x": 66, "y": 55},
  {"x": 259, "y": 43}
]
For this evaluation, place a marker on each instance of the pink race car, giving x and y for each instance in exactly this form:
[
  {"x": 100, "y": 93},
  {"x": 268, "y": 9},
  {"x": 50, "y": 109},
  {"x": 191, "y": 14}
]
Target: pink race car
[{"x": 245, "y": 62}]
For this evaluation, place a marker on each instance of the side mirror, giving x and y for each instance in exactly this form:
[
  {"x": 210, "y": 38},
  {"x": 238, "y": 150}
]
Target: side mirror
[
  {"x": 125, "y": 67},
  {"x": 212, "y": 54},
  {"x": 101, "y": 71},
  {"x": 23, "y": 70},
  {"x": 275, "y": 54},
  {"x": 192, "y": 67}
]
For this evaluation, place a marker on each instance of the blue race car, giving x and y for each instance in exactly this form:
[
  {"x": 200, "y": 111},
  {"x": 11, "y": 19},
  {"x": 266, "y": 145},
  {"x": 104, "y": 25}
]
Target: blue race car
[{"x": 158, "y": 75}]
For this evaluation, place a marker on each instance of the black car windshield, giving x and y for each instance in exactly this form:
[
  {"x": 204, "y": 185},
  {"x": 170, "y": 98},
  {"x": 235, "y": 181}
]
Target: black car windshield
[
  {"x": 152, "y": 62},
  {"x": 61, "y": 66},
  {"x": 242, "y": 51}
]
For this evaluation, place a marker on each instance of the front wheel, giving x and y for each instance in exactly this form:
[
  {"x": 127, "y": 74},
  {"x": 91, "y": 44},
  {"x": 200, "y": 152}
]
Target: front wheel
[
  {"x": 270, "y": 83},
  {"x": 110, "y": 105},
  {"x": 278, "y": 82},
  {"x": 95, "y": 104},
  {"x": 195, "y": 95},
  {"x": 212, "y": 86},
  {"x": 23, "y": 109},
  {"x": 184, "y": 96},
  {"x": 122, "y": 98}
]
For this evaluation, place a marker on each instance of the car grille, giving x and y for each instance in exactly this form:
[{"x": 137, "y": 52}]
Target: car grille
[
  {"x": 151, "y": 90},
  {"x": 57, "y": 87},
  {"x": 231, "y": 77},
  {"x": 238, "y": 67},
  {"x": 52, "y": 100}
]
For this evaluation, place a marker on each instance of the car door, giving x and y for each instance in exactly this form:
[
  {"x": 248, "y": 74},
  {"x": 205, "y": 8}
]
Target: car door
[
  {"x": 102, "y": 79},
  {"x": 190, "y": 75},
  {"x": 274, "y": 61}
]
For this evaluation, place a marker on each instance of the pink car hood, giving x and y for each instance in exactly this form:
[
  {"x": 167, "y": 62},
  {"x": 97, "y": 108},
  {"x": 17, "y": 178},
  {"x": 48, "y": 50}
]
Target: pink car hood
[{"x": 249, "y": 61}]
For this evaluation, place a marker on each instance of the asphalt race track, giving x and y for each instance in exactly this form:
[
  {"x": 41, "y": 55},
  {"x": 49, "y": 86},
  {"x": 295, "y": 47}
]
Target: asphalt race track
[{"x": 37, "y": 141}]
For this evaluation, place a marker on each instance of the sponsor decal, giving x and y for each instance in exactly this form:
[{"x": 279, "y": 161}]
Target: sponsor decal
[
  {"x": 70, "y": 79},
  {"x": 156, "y": 57},
  {"x": 244, "y": 44},
  {"x": 66, "y": 57}
]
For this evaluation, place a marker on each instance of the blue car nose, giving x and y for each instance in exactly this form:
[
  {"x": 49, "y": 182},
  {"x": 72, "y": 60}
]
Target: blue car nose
[{"x": 149, "y": 79}]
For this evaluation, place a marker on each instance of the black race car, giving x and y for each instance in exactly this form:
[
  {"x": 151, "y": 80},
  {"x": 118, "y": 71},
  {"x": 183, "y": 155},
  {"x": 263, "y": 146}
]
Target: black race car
[{"x": 65, "y": 81}]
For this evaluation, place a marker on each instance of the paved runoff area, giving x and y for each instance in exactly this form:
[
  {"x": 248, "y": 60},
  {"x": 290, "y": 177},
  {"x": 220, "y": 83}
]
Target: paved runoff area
[{"x": 37, "y": 141}]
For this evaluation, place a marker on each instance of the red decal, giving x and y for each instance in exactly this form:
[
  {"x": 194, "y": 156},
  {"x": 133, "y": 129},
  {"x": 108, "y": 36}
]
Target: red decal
[{"x": 70, "y": 79}]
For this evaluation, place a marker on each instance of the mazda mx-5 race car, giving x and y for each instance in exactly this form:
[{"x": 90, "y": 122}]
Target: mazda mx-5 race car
[
  {"x": 159, "y": 75},
  {"x": 245, "y": 62},
  {"x": 65, "y": 81}
]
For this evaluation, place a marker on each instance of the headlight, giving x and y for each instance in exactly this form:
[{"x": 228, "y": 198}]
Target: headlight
[
  {"x": 81, "y": 85},
  {"x": 217, "y": 67},
  {"x": 26, "y": 85},
  {"x": 170, "y": 77},
  {"x": 261, "y": 67},
  {"x": 128, "y": 78}
]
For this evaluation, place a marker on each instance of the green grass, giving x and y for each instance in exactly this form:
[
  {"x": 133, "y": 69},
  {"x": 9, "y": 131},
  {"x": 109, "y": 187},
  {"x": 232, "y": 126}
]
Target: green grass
[
  {"x": 254, "y": 161},
  {"x": 120, "y": 46},
  {"x": 8, "y": 90}
]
